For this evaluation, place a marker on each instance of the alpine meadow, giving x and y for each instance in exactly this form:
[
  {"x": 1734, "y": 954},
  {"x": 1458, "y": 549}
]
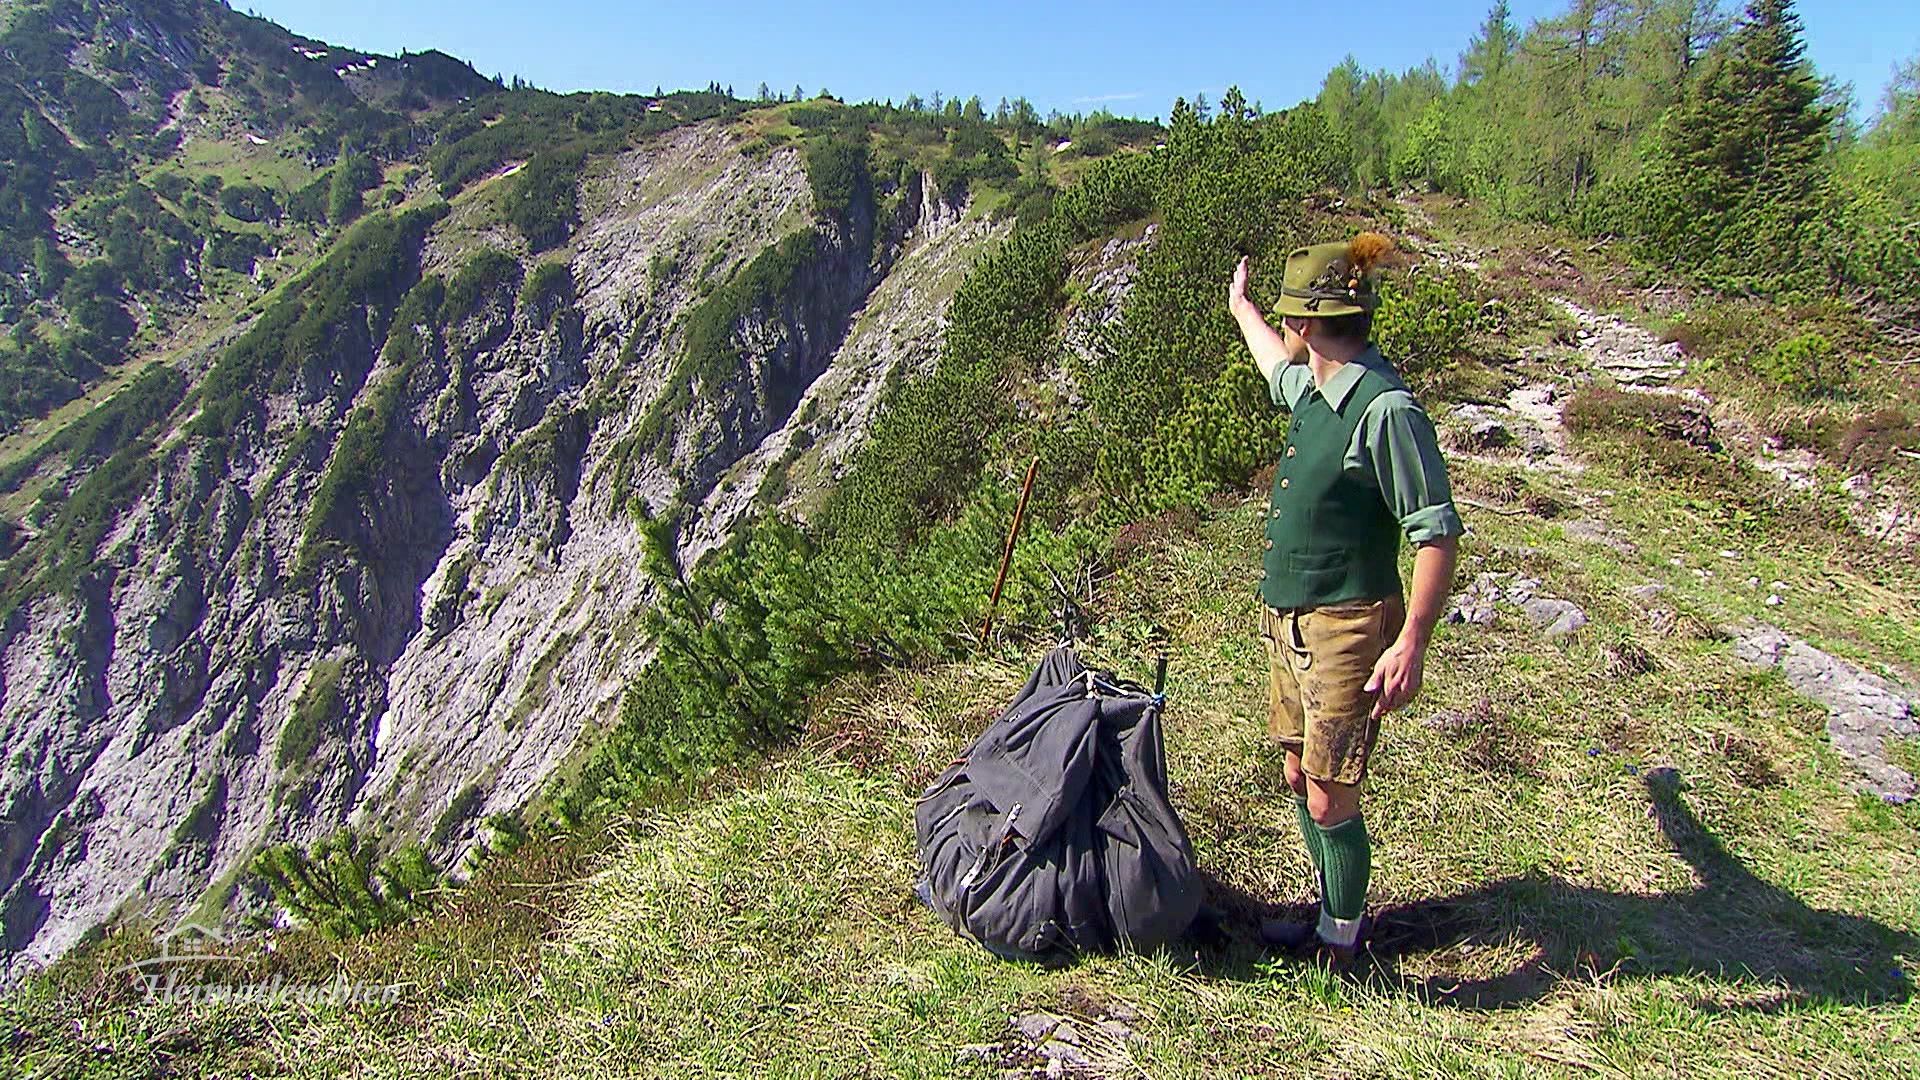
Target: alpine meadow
[{"x": 489, "y": 573}]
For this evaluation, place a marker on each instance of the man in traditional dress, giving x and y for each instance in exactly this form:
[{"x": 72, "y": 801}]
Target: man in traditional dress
[{"x": 1345, "y": 644}]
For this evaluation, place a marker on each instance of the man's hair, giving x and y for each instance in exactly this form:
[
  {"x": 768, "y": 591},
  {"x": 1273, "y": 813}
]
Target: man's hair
[{"x": 1355, "y": 327}]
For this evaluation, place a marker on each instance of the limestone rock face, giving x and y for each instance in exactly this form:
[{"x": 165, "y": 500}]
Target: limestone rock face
[
  {"x": 425, "y": 656},
  {"x": 1478, "y": 604},
  {"x": 1864, "y": 711}
]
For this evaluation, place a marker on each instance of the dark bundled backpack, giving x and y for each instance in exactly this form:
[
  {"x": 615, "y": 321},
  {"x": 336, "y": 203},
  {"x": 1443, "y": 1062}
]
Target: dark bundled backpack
[{"x": 1052, "y": 834}]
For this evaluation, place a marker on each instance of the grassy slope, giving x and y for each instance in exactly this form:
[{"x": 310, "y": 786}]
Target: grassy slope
[{"x": 1546, "y": 921}]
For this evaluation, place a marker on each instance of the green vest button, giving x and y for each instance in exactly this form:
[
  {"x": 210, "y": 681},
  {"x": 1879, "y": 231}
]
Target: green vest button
[
  {"x": 1284, "y": 482},
  {"x": 1292, "y": 450}
]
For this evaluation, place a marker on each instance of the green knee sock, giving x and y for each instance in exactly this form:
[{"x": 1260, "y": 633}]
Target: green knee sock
[
  {"x": 1346, "y": 864},
  {"x": 1311, "y": 833}
]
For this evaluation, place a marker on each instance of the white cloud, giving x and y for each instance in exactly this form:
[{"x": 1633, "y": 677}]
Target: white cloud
[{"x": 1098, "y": 99}]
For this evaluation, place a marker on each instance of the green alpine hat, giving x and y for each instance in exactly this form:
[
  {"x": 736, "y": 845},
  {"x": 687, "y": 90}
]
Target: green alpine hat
[{"x": 1324, "y": 280}]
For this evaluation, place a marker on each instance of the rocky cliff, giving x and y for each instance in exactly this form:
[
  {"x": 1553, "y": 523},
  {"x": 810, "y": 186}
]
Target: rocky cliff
[{"x": 398, "y": 583}]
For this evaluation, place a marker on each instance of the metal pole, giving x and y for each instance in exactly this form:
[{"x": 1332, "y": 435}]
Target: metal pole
[{"x": 1006, "y": 557}]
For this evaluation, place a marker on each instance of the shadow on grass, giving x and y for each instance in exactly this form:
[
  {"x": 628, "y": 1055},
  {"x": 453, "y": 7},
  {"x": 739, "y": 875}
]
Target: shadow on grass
[{"x": 1734, "y": 927}]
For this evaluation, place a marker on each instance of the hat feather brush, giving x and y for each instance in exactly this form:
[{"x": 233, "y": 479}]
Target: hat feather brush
[{"x": 1368, "y": 251}]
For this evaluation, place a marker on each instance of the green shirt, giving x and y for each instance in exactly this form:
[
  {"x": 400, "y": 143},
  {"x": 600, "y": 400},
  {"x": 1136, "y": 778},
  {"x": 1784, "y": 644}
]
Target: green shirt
[{"x": 1394, "y": 445}]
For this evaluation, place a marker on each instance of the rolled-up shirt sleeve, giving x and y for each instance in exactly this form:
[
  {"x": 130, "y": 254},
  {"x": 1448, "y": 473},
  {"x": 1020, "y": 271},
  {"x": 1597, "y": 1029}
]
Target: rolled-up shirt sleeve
[
  {"x": 1395, "y": 444},
  {"x": 1289, "y": 381}
]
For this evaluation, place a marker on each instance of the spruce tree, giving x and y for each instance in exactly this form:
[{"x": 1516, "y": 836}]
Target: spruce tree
[
  {"x": 1754, "y": 116},
  {"x": 1739, "y": 191},
  {"x": 1487, "y": 55}
]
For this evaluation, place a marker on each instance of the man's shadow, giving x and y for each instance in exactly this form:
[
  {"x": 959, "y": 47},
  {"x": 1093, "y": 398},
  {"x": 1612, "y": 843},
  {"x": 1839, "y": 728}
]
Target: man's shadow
[{"x": 1734, "y": 927}]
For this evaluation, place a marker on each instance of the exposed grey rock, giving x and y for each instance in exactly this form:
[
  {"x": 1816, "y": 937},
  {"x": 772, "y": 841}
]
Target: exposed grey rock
[
  {"x": 1525, "y": 426},
  {"x": 1476, "y": 605},
  {"x": 822, "y": 359},
  {"x": 1472, "y": 612},
  {"x": 1557, "y": 617},
  {"x": 1646, "y": 594},
  {"x": 1882, "y": 513},
  {"x": 1108, "y": 276},
  {"x": 1597, "y": 532},
  {"x": 1630, "y": 354},
  {"x": 902, "y": 322},
  {"x": 1490, "y": 434},
  {"x": 1066, "y": 1033},
  {"x": 1796, "y": 468},
  {"x": 1863, "y": 709}
]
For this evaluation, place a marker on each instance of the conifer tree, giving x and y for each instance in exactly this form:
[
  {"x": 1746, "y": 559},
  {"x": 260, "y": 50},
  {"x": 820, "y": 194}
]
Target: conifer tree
[
  {"x": 1754, "y": 115},
  {"x": 1899, "y": 120},
  {"x": 49, "y": 267},
  {"x": 340, "y": 889},
  {"x": 1233, "y": 106},
  {"x": 1487, "y": 55},
  {"x": 1738, "y": 190},
  {"x": 1025, "y": 117}
]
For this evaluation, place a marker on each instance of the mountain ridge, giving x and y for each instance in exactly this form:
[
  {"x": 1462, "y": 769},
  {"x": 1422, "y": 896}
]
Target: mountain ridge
[{"x": 372, "y": 570}]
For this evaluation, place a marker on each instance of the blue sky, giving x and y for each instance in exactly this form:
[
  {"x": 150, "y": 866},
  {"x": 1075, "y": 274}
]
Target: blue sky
[{"x": 1076, "y": 56}]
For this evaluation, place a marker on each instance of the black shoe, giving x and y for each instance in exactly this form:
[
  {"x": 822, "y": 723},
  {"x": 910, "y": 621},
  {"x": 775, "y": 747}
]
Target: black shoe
[
  {"x": 1292, "y": 935},
  {"x": 1302, "y": 939}
]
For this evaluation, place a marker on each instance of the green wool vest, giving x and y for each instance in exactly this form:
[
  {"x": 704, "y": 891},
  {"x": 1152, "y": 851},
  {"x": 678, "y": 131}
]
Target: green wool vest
[{"x": 1330, "y": 536}]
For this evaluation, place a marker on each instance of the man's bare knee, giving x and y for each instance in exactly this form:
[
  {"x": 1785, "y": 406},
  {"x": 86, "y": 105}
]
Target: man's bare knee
[
  {"x": 1296, "y": 777},
  {"x": 1329, "y": 803}
]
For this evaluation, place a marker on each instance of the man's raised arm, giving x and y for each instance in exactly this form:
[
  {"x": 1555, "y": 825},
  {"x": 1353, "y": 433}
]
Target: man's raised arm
[{"x": 1269, "y": 349}]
